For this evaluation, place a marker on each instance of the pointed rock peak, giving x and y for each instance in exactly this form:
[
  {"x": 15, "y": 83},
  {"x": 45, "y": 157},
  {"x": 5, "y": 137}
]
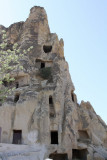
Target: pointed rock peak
[{"x": 37, "y": 12}]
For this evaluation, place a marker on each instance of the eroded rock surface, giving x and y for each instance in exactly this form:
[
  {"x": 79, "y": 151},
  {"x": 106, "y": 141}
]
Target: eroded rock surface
[{"x": 43, "y": 115}]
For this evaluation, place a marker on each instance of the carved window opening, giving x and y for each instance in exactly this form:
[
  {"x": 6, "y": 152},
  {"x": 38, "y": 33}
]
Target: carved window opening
[
  {"x": 21, "y": 81},
  {"x": 72, "y": 96},
  {"x": 16, "y": 98},
  {"x": 47, "y": 49},
  {"x": 79, "y": 154},
  {"x": 17, "y": 136},
  {"x": 54, "y": 137},
  {"x": 17, "y": 85},
  {"x": 42, "y": 65},
  {"x": 83, "y": 134},
  {"x": 50, "y": 100},
  {"x": 84, "y": 137},
  {"x": 58, "y": 156},
  {"x": 51, "y": 107}
]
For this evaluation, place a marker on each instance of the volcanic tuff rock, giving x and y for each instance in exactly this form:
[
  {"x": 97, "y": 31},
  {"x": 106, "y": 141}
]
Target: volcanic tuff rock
[{"x": 43, "y": 115}]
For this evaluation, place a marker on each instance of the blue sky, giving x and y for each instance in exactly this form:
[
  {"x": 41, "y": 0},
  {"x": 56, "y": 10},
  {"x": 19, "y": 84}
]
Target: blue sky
[{"x": 83, "y": 26}]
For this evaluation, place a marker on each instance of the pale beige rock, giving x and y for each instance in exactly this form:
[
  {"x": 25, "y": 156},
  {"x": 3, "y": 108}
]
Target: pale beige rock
[
  {"x": 98, "y": 157},
  {"x": 44, "y": 101}
]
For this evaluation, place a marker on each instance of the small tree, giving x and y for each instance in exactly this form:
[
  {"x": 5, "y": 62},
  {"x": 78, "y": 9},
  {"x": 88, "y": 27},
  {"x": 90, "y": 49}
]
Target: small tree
[{"x": 9, "y": 62}]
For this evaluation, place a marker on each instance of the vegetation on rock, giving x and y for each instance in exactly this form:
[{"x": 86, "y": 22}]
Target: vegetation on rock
[
  {"x": 45, "y": 72},
  {"x": 10, "y": 60}
]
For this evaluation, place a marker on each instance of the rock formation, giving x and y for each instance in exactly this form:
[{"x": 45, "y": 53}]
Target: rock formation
[{"x": 43, "y": 115}]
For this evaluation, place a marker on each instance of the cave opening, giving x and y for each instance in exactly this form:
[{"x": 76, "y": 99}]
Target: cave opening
[
  {"x": 54, "y": 137},
  {"x": 47, "y": 49},
  {"x": 17, "y": 136}
]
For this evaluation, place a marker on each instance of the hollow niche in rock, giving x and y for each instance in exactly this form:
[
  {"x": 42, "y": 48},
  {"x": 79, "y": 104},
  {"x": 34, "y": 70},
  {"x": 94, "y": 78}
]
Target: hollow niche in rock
[
  {"x": 50, "y": 100},
  {"x": 21, "y": 81},
  {"x": 78, "y": 154},
  {"x": 54, "y": 137},
  {"x": 58, "y": 156},
  {"x": 83, "y": 134},
  {"x": 42, "y": 65},
  {"x": 47, "y": 48},
  {"x": 17, "y": 84},
  {"x": 16, "y": 98},
  {"x": 17, "y": 136},
  {"x": 51, "y": 107},
  {"x": 84, "y": 137},
  {"x": 72, "y": 96}
]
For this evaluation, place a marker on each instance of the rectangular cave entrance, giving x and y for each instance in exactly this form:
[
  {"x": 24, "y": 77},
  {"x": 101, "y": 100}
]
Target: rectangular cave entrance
[
  {"x": 42, "y": 65},
  {"x": 51, "y": 107},
  {"x": 84, "y": 137},
  {"x": 57, "y": 156},
  {"x": 54, "y": 137},
  {"x": 78, "y": 154},
  {"x": 17, "y": 136},
  {"x": 83, "y": 134}
]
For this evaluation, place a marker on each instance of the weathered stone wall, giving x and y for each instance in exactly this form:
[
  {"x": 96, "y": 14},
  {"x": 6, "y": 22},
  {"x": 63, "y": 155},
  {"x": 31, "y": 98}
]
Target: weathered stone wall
[{"x": 44, "y": 100}]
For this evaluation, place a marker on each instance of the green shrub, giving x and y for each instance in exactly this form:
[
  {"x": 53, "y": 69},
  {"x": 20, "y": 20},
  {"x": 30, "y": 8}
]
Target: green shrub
[{"x": 46, "y": 73}]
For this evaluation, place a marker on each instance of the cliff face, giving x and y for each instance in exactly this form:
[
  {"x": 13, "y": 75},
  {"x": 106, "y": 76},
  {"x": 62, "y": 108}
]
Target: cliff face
[{"x": 43, "y": 111}]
